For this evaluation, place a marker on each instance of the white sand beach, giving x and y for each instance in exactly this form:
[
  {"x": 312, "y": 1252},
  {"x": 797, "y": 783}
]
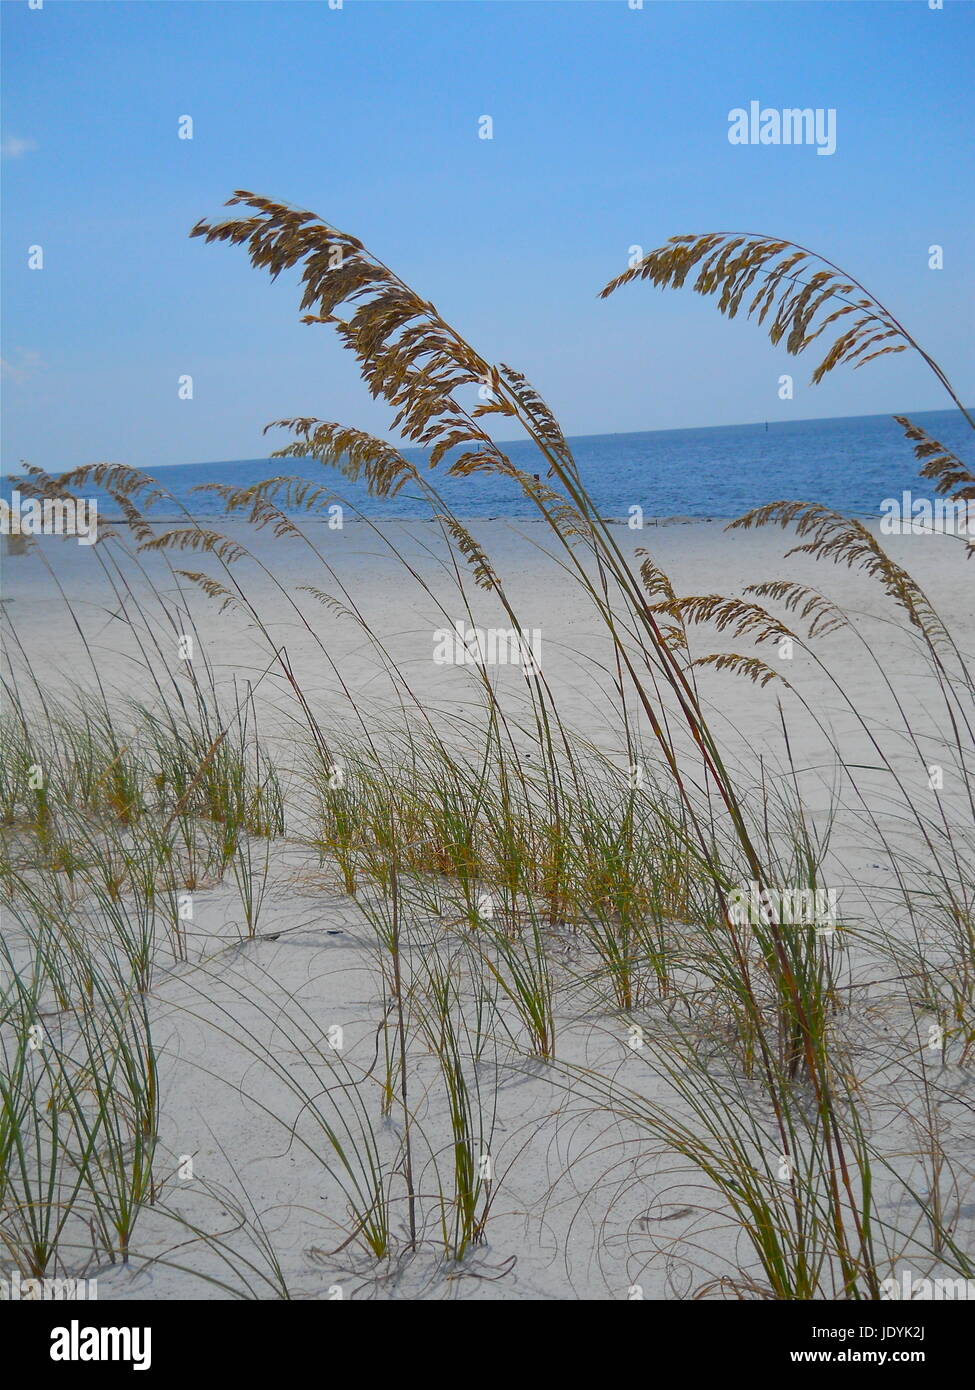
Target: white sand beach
[{"x": 586, "y": 1202}]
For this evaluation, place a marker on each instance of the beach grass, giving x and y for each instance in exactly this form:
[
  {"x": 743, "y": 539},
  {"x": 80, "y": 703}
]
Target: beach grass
[{"x": 516, "y": 884}]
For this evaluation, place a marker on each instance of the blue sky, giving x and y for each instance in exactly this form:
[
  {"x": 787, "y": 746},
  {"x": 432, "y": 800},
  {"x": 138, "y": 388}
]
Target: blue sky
[{"x": 610, "y": 130}]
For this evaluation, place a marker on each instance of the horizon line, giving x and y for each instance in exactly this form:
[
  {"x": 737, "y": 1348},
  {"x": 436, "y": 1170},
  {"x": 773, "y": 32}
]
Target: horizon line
[
  {"x": 602, "y": 434},
  {"x": 596, "y": 434}
]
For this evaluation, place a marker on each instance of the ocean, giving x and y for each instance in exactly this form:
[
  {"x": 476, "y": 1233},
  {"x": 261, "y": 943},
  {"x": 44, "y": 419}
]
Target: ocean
[{"x": 851, "y": 463}]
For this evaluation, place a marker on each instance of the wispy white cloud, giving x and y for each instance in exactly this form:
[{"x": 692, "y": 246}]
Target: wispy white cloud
[
  {"x": 28, "y": 362},
  {"x": 15, "y": 146}
]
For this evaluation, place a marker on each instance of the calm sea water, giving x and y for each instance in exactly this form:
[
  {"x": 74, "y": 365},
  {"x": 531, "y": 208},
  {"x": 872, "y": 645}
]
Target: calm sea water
[{"x": 850, "y": 463}]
